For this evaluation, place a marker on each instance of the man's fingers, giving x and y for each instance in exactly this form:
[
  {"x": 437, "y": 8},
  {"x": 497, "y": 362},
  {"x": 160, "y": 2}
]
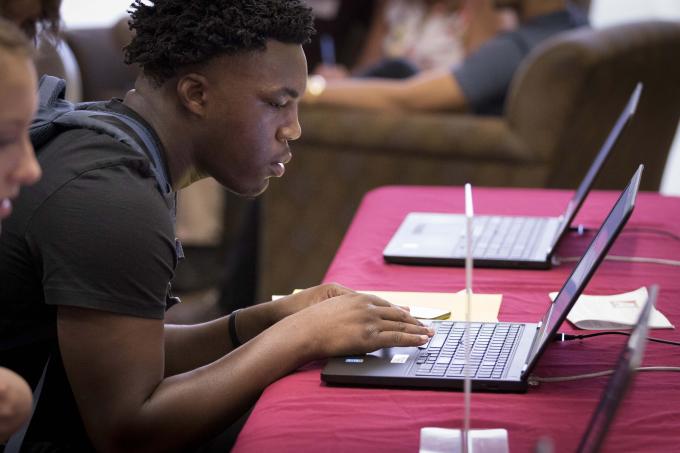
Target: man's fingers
[
  {"x": 335, "y": 289},
  {"x": 398, "y": 326},
  {"x": 388, "y": 339},
  {"x": 393, "y": 313}
]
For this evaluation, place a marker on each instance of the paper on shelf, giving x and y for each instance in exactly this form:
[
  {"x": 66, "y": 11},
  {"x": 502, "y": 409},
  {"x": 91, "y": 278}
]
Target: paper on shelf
[{"x": 613, "y": 312}]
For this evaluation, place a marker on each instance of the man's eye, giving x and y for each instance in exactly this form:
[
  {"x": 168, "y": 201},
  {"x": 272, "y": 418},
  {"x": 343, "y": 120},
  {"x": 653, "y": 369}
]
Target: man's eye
[{"x": 278, "y": 105}]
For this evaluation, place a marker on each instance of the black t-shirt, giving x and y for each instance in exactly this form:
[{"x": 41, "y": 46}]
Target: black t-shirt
[{"x": 94, "y": 232}]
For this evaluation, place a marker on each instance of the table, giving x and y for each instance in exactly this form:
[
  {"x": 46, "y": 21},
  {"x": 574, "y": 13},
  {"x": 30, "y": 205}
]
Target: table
[{"x": 299, "y": 413}]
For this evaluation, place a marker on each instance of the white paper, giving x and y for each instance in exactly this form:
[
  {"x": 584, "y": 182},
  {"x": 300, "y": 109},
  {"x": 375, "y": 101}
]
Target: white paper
[{"x": 613, "y": 312}]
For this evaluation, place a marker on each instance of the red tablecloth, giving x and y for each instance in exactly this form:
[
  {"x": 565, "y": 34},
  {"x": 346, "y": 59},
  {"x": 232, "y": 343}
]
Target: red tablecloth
[{"x": 299, "y": 413}]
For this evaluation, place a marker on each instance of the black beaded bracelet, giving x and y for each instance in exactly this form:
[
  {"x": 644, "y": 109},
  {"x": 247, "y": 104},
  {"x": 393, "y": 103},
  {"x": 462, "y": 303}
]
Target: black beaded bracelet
[{"x": 232, "y": 329}]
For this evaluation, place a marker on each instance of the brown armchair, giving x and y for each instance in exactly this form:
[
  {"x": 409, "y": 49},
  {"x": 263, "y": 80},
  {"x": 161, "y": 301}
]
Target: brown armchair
[
  {"x": 561, "y": 105},
  {"x": 99, "y": 52}
]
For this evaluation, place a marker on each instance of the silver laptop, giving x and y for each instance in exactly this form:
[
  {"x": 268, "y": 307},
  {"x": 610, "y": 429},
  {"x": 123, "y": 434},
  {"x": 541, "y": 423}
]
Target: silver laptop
[
  {"x": 629, "y": 359},
  {"x": 502, "y": 354},
  {"x": 499, "y": 241}
]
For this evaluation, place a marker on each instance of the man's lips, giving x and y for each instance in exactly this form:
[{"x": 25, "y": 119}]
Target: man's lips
[{"x": 279, "y": 166}]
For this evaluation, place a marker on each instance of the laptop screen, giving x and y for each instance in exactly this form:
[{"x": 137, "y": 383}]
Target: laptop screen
[
  {"x": 587, "y": 183},
  {"x": 629, "y": 359},
  {"x": 573, "y": 287}
]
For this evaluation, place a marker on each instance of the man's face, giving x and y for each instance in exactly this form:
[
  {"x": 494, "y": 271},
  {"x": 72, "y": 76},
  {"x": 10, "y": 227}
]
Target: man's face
[{"x": 251, "y": 115}]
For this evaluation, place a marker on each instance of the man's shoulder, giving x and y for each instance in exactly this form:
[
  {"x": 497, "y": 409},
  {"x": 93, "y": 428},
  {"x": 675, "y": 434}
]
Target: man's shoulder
[
  {"x": 92, "y": 171},
  {"x": 119, "y": 136},
  {"x": 76, "y": 152},
  {"x": 87, "y": 145}
]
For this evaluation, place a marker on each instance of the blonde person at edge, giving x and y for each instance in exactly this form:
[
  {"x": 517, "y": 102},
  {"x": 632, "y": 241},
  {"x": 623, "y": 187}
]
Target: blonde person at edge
[
  {"x": 479, "y": 83},
  {"x": 18, "y": 167}
]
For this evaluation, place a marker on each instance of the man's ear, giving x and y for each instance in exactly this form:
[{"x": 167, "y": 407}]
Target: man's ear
[{"x": 192, "y": 93}]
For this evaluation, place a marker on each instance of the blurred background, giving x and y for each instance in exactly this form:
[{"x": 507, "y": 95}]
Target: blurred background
[{"x": 88, "y": 14}]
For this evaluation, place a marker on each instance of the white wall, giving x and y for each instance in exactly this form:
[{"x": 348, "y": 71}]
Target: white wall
[
  {"x": 610, "y": 12},
  {"x": 92, "y": 13}
]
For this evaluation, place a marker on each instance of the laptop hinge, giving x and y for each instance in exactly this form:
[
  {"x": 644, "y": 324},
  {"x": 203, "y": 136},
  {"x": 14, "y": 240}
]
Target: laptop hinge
[
  {"x": 533, "y": 344},
  {"x": 556, "y": 235}
]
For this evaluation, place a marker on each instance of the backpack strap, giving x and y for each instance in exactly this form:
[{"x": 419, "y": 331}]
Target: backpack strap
[
  {"x": 55, "y": 114},
  {"x": 15, "y": 441},
  {"x": 51, "y": 90},
  {"x": 91, "y": 119},
  {"x": 51, "y": 105}
]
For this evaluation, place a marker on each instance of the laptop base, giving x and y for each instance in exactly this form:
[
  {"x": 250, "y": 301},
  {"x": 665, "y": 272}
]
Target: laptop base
[{"x": 436, "y": 239}]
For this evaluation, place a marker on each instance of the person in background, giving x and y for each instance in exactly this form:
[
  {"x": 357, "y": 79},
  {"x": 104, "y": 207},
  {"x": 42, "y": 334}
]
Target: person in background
[
  {"x": 90, "y": 250},
  {"x": 18, "y": 166},
  {"x": 479, "y": 83},
  {"x": 33, "y": 16},
  {"x": 405, "y": 37}
]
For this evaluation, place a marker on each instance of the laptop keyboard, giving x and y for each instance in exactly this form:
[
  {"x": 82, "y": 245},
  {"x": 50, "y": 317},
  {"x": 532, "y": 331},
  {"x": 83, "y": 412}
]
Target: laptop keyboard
[
  {"x": 491, "y": 346},
  {"x": 503, "y": 237}
]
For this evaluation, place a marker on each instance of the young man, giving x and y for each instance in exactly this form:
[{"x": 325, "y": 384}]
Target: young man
[
  {"x": 479, "y": 84},
  {"x": 87, "y": 257}
]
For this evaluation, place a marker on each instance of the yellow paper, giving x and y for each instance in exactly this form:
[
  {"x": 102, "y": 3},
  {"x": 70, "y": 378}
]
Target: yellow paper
[{"x": 485, "y": 307}]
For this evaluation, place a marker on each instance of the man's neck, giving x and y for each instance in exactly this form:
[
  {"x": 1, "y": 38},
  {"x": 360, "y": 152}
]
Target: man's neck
[{"x": 150, "y": 103}]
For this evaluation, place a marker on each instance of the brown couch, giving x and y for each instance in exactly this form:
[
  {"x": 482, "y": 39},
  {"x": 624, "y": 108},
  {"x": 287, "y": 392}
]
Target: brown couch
[{"x": 561, "y": 105}]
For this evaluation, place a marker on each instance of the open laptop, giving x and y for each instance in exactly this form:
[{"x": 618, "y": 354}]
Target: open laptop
[
  {"x": 629, "y": 359},
  {"x": 503, "y": 354},
  {"x": 499, "y": 241}
]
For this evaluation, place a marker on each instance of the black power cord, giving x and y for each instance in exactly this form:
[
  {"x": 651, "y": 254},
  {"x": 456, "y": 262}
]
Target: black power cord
[
  {"x": 570, "y": 337},
  {"x": 581, "y": 229}
]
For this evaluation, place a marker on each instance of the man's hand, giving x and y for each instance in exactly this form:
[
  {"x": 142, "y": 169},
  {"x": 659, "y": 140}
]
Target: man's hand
[
  {"x": 354, "y": 323},
  {"x": 293, "y": 303}
]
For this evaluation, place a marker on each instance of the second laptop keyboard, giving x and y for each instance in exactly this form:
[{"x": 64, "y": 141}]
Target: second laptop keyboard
[{"x": 503, "y": 237}]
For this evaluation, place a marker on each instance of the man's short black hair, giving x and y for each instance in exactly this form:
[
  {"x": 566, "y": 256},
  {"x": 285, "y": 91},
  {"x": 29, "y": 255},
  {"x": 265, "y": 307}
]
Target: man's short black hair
[{"x": 171, "y": 34}]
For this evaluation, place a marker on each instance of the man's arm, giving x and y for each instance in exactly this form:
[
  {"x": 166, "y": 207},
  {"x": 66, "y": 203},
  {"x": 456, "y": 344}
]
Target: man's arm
[
  {"x": 115, "y": 364},
  {"x": 191, "y": 346},
  {"x": 433, "y": 90},
  {"x": 105, "y": 245},
  {"x": 482, "y": 22}
]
